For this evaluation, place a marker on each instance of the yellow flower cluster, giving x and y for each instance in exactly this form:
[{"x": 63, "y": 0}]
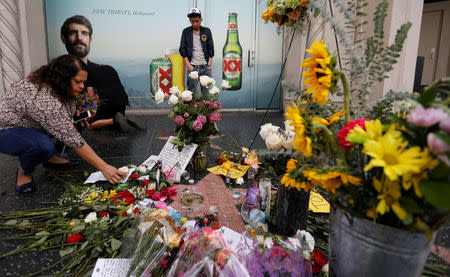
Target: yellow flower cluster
[
  {"x": 319, "y": 74},
  {"x": 108, "y": 194},
  {"x": 330, "y": 180},
  {"x": 327, "y": 122},
  {"x": 291, "y": 182},
  {"x": 301, "y": 142}
]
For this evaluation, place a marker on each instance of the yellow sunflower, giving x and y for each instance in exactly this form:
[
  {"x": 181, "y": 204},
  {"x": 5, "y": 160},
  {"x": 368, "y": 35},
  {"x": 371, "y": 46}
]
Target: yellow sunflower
[
  {"x": 330, "y": 180},
  {"x": 389, "y": 151},
  {"x": 319, "y": 75},
  {"x": 301, "y": 143},
  {"x": 291, "y": 164},
  {"x": 389, "y": 194},
  {"x": 289, "y": 182},
  {"x": 327, "y": 122}
]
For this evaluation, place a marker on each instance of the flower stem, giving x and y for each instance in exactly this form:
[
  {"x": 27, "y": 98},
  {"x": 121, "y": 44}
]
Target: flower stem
[{"x": 346, "y": 87}]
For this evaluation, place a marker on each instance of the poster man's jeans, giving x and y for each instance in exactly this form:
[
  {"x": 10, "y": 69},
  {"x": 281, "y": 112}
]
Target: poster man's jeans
[
  {"x": 32, "y": 147},
  {"x": 192, "y": 84}
]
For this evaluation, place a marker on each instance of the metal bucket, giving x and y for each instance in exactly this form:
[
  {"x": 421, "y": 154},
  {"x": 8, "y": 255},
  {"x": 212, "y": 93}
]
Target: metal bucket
[{"x": 364, "y": 248}]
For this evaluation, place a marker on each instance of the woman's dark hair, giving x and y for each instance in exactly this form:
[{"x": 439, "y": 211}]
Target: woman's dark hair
[{"x": 57, "y": 74}]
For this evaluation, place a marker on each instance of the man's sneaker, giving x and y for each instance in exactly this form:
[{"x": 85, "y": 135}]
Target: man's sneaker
[{"x": 121, "y": 123}]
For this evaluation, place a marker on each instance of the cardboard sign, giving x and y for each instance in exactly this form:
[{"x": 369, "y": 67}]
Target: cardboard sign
[
  {"x": 236, "y": 170},
  {"x": 318, "y": 204}
]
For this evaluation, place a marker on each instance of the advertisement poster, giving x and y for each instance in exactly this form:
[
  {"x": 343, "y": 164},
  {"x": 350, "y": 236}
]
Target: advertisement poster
[{"x": 140, "y": 39}]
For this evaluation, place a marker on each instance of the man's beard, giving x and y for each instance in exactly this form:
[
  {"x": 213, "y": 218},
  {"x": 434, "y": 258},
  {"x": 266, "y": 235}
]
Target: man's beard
[{"x": 72, "y": 49}]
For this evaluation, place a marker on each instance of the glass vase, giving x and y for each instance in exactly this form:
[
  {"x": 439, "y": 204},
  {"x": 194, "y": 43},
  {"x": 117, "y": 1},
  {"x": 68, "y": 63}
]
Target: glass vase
[{"x": 199, "y": 159}]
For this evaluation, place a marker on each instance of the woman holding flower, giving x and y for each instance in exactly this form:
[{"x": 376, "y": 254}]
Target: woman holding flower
[{"x": 43, "y": 104}]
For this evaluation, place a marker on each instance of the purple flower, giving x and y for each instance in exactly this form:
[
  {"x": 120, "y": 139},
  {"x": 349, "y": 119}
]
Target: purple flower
[
  {"x": 186, "y": 115},
  {"x": 202, "y": 119},
  {"x": 438, "y": 147},
  {"x": 197, "y": 125},
  {"x": 426, "y": 117},
  {"x": 179, "y": 120},
  {"x": 214, "y": 117}
]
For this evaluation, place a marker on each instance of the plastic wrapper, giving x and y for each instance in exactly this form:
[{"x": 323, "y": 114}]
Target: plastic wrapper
[
  {"x": 204, "y": 253},
  {"x": 152, "y": 246}
]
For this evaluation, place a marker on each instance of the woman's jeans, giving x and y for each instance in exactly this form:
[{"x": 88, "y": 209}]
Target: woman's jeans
[{"x": 32, "y": 147}]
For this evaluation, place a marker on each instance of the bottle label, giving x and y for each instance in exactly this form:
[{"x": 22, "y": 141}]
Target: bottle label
[
  {"x": 232, "y": 26},
  {"x": 232, "y": 65}
]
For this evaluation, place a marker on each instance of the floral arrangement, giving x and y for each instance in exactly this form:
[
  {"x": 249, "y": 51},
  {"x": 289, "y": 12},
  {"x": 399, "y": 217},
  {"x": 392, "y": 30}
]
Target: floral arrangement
[
  {"x": 290, "y": 13},
  {"x": 195, "y": 117}
]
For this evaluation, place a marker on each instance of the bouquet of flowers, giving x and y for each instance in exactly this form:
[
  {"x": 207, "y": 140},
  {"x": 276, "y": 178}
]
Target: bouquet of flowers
[
  {"x": 290, "y": 13},
  {"x": 195, "y": 117}
]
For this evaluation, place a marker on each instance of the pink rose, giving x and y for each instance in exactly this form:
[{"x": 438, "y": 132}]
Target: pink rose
[
  {"x": 202, "y": 119},
  {"x": 444, "y": 124},
  {"x": 438, "y": 147},
  {"x": 179, "y": 120},
  {"x": 197, "y": 125},
  {"x": 214, "y": 117},
  {"x": 217, "y": 105},
  {"x": 186, "y": 115},
  {"x": 426, "y": 117},
  {"x": 195, "y": 106}
]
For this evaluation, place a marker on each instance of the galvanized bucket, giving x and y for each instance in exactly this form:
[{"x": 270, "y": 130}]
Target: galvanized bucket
[{"x": 364, "y": 248}]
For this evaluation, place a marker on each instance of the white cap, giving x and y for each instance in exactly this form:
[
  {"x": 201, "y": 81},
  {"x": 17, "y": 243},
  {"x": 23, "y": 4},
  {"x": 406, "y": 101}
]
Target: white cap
[{"x": 194, "y": 11}]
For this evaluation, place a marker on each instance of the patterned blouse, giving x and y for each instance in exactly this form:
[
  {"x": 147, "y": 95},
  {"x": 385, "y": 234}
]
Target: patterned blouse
[{"x": 23, "y": 105}]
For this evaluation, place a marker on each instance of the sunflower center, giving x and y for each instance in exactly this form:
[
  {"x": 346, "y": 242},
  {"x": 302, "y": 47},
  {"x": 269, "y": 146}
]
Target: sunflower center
[{"x": 390, "y": 159}]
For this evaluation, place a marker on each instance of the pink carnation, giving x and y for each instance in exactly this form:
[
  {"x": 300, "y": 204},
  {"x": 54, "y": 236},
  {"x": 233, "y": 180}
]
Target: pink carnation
[
  {"x": 342, "y": 135},
  {"x": 214, "y": 117},
  {"x": 217, "y": 105},
  {"x": 202, "y": 119},
  {"x": 186, "y": 115},
  {"x": 426, "y": 117},
  {"x": 179, "y": 120},
  {"x": 197, "y": 125},
  {"x": 438, "y": 147},
  {"x": 444, "y": 124}
]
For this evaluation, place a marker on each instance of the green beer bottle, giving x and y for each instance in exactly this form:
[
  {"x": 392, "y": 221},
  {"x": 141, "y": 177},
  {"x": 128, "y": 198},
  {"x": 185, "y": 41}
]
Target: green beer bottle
[{"x": 232, "y": 55}]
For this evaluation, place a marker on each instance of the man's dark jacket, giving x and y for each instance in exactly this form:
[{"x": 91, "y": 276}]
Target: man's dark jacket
[{"x": 187, "y": 43}]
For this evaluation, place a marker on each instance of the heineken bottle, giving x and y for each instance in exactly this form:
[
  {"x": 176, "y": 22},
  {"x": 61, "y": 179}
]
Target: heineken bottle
[{"x": 232, "y": 55}]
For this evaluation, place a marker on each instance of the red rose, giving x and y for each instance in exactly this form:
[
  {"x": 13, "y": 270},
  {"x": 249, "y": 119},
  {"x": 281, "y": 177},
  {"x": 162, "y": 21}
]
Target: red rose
[
  {"x": 156, "y": 196},
  {"x": 145, "y": 183},
  {"x": 315, "y": 268},
  {"x": 172, "y": 192},
  {"x": 150, "y": 193},
  {"x": 319, "y": 258},
  {"x": 128, "y": 200},
  {"x": 342, "y": 135},
  {"x": 105, "y": 214},
  {"x": 134, "y": 176},
  {"x": 136, "y": 211},
  {"x": 75, "y": 237},
  {"x": 164, "y": 192}
]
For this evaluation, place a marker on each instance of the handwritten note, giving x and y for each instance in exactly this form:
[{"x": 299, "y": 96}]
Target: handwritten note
[
  {"x": 236, "y": 170},
  {"x": 172, "y": 159},
  {"x": 318, "y": 204},
  {"x": 111, "y": 267}
]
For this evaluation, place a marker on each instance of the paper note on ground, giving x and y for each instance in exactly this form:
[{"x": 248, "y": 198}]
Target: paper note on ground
[
  {"x": 236, "y": 170},
  {"x": 111, "y": 267},
  {"x": 318, "y": 204},
  {"x": 98, "y": 176}
]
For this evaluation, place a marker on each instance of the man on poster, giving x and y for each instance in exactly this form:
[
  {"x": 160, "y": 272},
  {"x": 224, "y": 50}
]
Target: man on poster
[
  {"x": 76, "y": 34},
  {"x": 196, "y": 47}
]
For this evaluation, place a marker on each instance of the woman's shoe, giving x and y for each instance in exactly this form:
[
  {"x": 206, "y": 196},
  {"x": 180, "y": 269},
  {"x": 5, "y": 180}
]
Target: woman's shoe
[
  {"x": 60, "y": 166},
  {"x": 26, "y": 188}
]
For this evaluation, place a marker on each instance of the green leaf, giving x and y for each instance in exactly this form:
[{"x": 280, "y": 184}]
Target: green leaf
[
  {"x": 440, "y": 172},
  {"x": 115, "y": 244},
  {"x": 67, "y": 250},
  {"x": 10, "y": 222},
  {"x": 84, "y": 245},
  {"x": 428, "y": 96},
  {"x": 78, "y": 228},
  {"x": 437, "y": 193},
  {"x": 42, "y": 234}
]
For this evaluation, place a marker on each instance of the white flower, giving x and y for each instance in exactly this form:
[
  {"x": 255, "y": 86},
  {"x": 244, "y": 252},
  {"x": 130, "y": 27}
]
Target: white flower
[
  {"x": 159, "y": 96},
  {"x": 91, "y": 217},
  {"x": 240, "y": 181},
  {"x": 260, "y": 239},
  {"x": 268, "y": 243},
  {"x": 267, "y": 129},
  {"x": 307, "y": 240},
  {"x": 288, "y": 139},
  {"x": 173, "y": 100},
  {"x": 325, "y": 268},
  {"x": 287, "y": 125},
  {"x": 225, "y": 84},
  {"x": 186, "y": 95},
  {"x": 212, "y": 82},
  {"x": 205, "y": 80},
  {"x": 214, "y": 90},
  {"x": 124, "y": 169},
  {"x": 274, "y": 141},
  {"x": 142, "y": 169},
  {"x": 175, "y": 90},
  {"x": 130, "y": 209},
  {"x": 307, "y": 254},
  {"x": 193, "y": 75}
]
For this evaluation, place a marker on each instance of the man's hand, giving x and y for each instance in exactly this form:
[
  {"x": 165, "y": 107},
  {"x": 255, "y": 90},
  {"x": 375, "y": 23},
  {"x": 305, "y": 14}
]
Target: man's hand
[
  {"x": 112, "y": 174},
  {"x": 190, "y": 67}
]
